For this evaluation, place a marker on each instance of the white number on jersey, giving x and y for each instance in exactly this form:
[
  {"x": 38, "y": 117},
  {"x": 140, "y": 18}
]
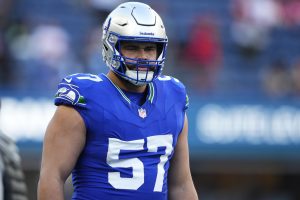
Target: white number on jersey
[
  {"x": 137, "y": 180},
  {"x": 114, "y": 178},
  {"x": 90, "y": 77},
  {"x": 168, "y": 78},
  {"x": 153, "y": 143},
  {"x": 164, "y": 78}
]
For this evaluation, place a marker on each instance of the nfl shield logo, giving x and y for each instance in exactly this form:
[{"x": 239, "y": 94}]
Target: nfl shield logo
[{"x": 142, "y": 113}]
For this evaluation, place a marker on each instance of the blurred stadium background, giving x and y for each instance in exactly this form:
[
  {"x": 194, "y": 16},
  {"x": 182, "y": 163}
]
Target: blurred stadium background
[{"x": 240, "y": 61}]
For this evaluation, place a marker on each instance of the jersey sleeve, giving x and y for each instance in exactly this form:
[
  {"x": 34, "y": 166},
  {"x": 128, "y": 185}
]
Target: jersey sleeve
[
  {"x": 177, "y": 98},
  {"x": 70, "y": 93},
  {"x": 78, "y": 91},
  {"x": 181, "y": 93}
]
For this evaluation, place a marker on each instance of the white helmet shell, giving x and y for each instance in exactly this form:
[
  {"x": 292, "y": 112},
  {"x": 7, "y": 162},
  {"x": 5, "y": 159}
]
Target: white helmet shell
[{"x": 133, "y": 21}]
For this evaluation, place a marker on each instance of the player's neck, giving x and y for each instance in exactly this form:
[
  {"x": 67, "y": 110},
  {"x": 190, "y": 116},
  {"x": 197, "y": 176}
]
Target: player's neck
[{"x": 125, "y": 85}]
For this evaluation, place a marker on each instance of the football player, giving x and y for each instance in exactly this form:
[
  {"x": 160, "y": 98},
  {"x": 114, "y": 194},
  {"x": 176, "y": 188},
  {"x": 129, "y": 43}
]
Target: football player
[{"x": 122, "y": 135}]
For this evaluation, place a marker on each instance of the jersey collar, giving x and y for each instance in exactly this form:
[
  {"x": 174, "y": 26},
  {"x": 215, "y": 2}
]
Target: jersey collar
[{"x": 150, "y": 96}]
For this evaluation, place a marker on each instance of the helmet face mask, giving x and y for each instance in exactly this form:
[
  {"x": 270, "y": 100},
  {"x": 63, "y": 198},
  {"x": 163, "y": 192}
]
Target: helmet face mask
[{"x": 134, "y": 22}]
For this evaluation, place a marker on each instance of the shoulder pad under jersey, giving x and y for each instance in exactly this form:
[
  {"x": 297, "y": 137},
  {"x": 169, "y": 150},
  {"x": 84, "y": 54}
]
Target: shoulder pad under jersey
[
  {"x": 178, "y": 86},
  {"x": 71, "y": 90}
]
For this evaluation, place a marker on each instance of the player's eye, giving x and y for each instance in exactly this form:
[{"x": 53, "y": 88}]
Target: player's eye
[
  {"x": 131, "y": 48},
  {"x": 150, "y": 48}
]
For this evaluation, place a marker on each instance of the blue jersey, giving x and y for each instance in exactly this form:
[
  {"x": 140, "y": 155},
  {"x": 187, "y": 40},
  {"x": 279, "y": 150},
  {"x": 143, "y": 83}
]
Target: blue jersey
[{"x": 128, "y": 147}]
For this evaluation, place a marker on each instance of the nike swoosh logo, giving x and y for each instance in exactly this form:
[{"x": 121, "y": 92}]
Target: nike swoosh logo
[{"x": 68, "y": 80}]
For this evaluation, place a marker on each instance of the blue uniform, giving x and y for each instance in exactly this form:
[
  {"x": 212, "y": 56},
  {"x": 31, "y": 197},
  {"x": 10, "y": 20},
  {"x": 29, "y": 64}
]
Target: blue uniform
[{"x": 128, "y": 147}]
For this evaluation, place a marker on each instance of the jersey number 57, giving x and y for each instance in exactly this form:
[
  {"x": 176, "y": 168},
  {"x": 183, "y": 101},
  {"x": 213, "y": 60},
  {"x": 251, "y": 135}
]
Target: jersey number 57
[{"x": 137, "y": 180}]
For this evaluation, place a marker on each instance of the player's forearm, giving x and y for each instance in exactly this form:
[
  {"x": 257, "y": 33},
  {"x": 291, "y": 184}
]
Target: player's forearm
[
  {"x": 185, "y": 191},
  {"x": 50, "y": 189}
]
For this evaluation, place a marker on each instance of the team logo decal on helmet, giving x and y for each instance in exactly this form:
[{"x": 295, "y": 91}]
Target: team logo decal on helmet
[{"x": 134, "y": 22}]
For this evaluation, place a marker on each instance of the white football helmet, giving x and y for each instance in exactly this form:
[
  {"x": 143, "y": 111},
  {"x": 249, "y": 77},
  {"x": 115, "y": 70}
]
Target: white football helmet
[{"x": 137, "y": 22}]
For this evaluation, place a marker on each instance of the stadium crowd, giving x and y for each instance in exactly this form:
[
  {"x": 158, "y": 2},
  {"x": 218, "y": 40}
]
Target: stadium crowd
[{"x": 221, "y": 46}]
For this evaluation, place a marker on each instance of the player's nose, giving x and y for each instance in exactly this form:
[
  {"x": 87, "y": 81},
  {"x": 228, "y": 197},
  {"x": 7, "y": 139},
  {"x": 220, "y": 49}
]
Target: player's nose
[{"x": 142, "y": 54}]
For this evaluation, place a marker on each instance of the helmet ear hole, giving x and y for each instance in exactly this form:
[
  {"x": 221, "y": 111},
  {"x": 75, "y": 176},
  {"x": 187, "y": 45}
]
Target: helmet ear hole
[{"x": 117, "y": 46}]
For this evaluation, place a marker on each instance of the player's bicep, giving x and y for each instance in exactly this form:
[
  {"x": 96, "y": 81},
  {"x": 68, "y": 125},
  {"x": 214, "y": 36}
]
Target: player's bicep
[{"x": 63, "y": 142}]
